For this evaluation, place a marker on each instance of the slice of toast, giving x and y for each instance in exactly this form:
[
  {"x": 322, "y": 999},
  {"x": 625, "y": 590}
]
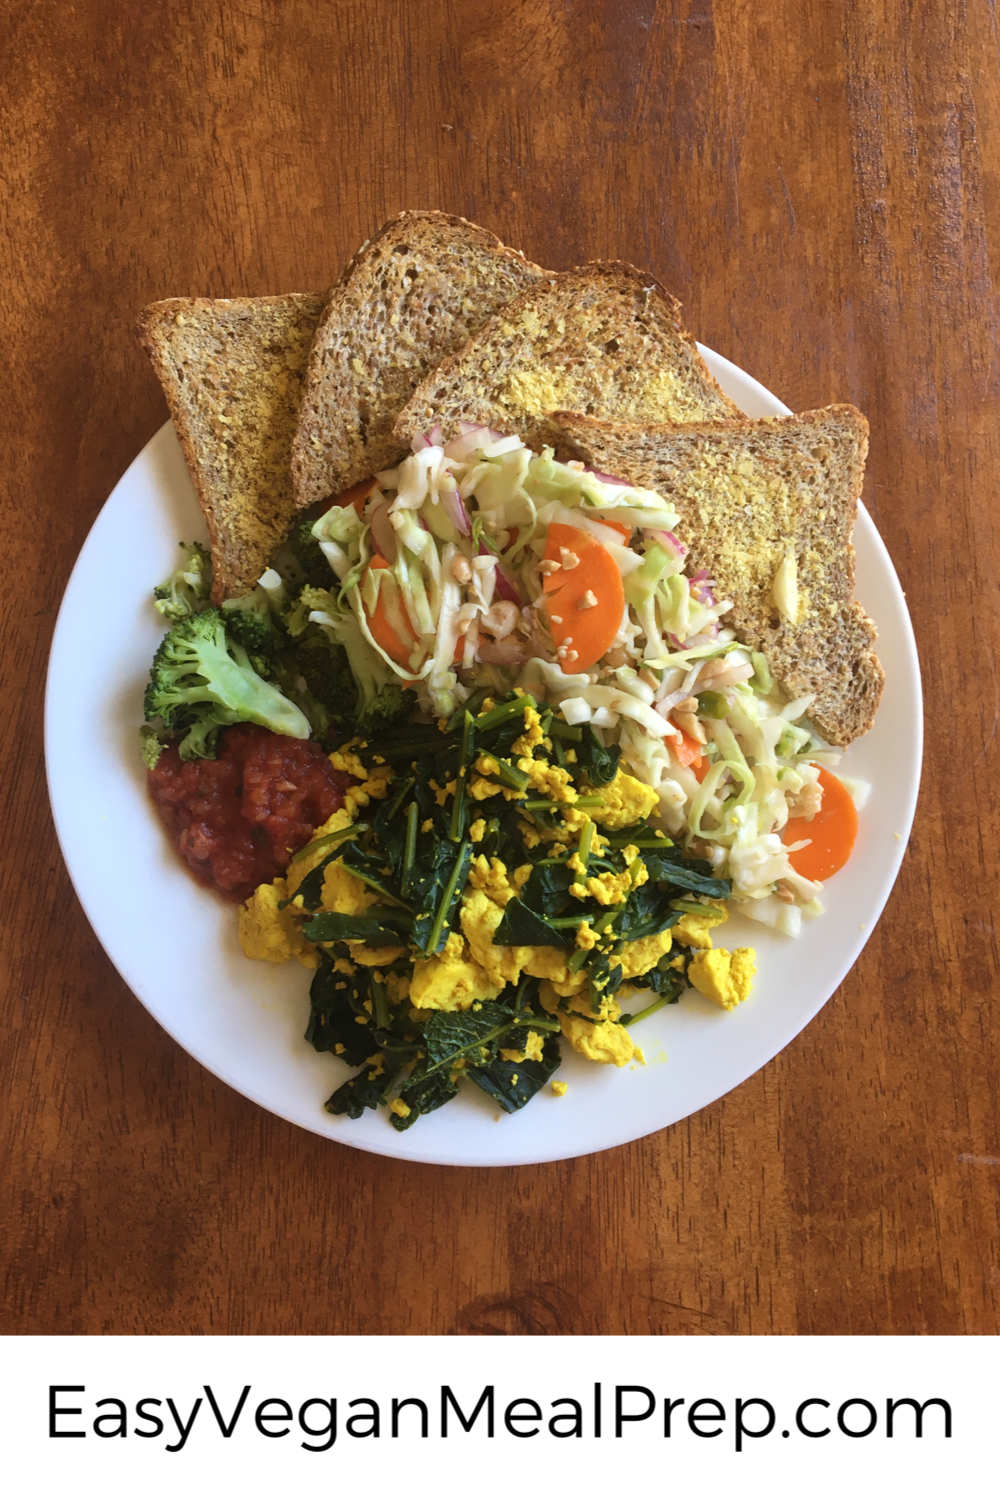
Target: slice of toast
[
  {"x": 411, "y": 296},
  {"x": 751, "y": 495},
  {"x": 604, "y": 339},
  {"x": 232, "y": 371}
]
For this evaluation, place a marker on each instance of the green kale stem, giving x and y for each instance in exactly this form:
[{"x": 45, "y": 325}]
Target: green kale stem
[
  {"x": 444, "y": 905},
  {"x": 404, "y": 792},
  {"x": 377, "y": 885},
  {"x": 506, "y": 711},
  {"x": 332, "y": 838},
  {"x": 465, "y": 754},
  {"x": 697, "y": 908},
  {"x": 586, "y": 839},
  {"x": 509, "y": 775},
  {"x": 410, "y": 847},
  {"x": 641, "y": 1015}
]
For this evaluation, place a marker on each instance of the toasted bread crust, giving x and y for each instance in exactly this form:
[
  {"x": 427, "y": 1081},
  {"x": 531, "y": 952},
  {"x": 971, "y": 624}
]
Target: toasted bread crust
[
  {"x": 604, "y": 338},
  {"x": 232, "y": 372},
  {"x": 749, "y": 493},
  {"x": 411, "y": 295}
]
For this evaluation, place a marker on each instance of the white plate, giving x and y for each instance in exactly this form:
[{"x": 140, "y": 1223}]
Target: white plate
[{"x": 175, "y": 944}]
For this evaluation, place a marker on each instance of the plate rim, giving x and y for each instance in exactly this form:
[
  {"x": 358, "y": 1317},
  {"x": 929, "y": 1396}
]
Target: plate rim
[{"x": 721, "y": 367}]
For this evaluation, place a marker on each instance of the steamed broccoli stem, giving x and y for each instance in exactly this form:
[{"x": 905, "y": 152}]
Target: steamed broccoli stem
[
  {"x": 187, "y": 590},
  {"x": 200, "y": 680}
]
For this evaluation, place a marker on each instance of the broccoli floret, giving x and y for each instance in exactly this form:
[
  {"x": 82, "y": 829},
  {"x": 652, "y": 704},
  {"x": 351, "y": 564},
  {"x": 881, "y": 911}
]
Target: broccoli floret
[
  {"x": 150, "y": 746},
  {"x": 308, "y": 554},
  {"x": 250, "y": 623},
  {"x": 187, "y": 591},
  {"x": 325, "y": 669},
  {"x": 391, "y": 703},
  {"x": 379, "y": 697},
  {"x": 201, "y": 680}
]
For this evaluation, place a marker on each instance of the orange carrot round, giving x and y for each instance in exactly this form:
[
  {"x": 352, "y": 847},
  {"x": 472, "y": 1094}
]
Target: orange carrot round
[
  {"x": 585, "y": 600},
  {"x": 832, "y": 830}
]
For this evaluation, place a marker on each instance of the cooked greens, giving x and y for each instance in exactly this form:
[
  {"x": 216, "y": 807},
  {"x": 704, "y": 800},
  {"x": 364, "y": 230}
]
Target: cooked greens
[{"x": 476, "y": 799}]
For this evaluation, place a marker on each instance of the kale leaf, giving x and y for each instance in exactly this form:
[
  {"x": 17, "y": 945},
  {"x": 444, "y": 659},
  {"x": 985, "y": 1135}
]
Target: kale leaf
[
  {"x": 336, "y": 927},
  {"x": 366, "y": 1090},
  {"x": 600, "y": 762},
  {"x": 337, "y": 1002},
  {"x": 514, "y": 1084},
  {"x": 519, "y": 925},
  {"x": 422, "y": 1095}
]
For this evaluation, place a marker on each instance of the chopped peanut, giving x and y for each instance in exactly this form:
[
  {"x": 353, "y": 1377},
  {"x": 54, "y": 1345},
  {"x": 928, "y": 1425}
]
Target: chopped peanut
[
  {"x": 691, "y": 726},
  {"x": 501, "y": 618},
  {"x": 807, "y": 802},
  {"x": 568, "y": 559},
  {"x": 587, "y": 600}
]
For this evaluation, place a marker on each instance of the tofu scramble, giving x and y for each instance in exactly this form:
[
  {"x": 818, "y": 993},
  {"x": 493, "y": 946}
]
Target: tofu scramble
[{"x": 492, "y": 885}]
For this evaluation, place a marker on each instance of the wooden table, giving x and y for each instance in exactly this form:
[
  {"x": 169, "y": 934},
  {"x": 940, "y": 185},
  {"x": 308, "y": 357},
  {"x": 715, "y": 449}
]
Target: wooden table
[{"x": 819, "y": 182}]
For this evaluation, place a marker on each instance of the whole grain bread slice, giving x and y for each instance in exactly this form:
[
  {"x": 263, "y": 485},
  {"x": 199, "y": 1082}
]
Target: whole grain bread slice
[
  {"x": 752, "y": 495},
  {"x": 232, "y": 370},
  {"x": 411, "y": 296},
  {"x": 604, "y": 339}
]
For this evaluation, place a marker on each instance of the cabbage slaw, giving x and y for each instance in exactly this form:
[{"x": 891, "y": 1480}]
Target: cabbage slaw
[{"x": 444, "y": 570}]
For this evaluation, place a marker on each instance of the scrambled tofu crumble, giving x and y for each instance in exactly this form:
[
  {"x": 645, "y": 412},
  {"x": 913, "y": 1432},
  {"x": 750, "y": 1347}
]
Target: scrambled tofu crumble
[{"x": 495, "y": 904}]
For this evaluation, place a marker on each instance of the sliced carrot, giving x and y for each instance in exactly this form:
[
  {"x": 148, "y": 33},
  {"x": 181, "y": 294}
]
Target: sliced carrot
[
  {"x": 356, "y": 495},
  {"x": 689, "y": 753},
  {"x": 382, "y": 627},
  {"x": 626, "y": 531},
  {"x": 582, "y": 626},
  {"x": 387, "y": 635},
  {"x": 832, "y": 830}
]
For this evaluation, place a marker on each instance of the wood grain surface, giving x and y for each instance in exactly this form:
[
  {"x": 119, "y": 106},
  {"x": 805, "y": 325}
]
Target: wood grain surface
[{"x": 819, "y": 183}]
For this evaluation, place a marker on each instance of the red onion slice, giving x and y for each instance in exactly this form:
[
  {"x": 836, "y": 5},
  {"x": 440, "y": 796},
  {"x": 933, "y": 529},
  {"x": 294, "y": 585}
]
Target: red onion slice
[
  {"x": 504, "y": 586},
  {"x": 702, "y": 588},
  {"x": 507, "y": 653},
  {"x": 668, "y": 539},
  {"x": 384, "y": 533},
  {"x": 608, "y": 478},
  {"x": 476, "y": 429},
  {"x": 473, "y": 437},
  {"x": 435, "y": 436},
  {"x": 456, "y": 512}
]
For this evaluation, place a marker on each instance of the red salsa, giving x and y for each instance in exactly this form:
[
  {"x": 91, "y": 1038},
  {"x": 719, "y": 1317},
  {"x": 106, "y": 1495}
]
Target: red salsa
[{"x": 237, "y": 820}]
